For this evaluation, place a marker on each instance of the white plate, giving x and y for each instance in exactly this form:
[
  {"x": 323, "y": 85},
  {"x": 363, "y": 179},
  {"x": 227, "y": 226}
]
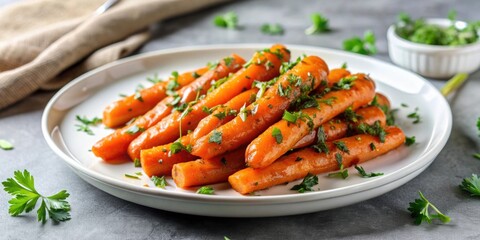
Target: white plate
[{"x": 90, "y": 93}]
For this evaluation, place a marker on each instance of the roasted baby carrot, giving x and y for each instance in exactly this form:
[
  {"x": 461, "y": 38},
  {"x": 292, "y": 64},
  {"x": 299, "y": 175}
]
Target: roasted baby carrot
[
  {"x": 208, "y": 171},
  {"x": 263, "y": 66},
  {"x": 160, "y": 160},
  {"x": 283, "y": 135},
  {"x": 123, "y": 110},
  {"x": 298, "y": 164},
  {"x": 268, "y": 109},
  {"x": 339, "y": 126},
  {"x": 113, "y": 148}
]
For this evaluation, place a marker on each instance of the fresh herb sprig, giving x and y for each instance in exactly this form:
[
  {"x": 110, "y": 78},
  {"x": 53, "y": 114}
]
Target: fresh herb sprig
[
  {"x": 207, "y": 190},
  {"x": 364, "y": 174},
  {"x": 319, "y": 24},
  {"x": 306, "y": 185},
  {"x": 365, "y": 45},
  {"x": 86, "y": 123},
  {"x": 419, "y": 210},
  {"x": 25, "y": 198},
  {"x": 471, "y": 185},
  {"x": 228, "y": 20},
  {"x": 160, "y": 182},
  {"x": 272, "y": 29}
]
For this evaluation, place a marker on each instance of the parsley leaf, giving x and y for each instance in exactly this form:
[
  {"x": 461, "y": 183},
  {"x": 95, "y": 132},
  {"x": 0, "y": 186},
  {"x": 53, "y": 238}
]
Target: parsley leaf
[
  {"x": 216, "y": 137},
  {"x": 365, "y": 46},
  {"x": 306, "y": 185},
  {"x": 277, "y": 134},
  {"x": 228, "y": 20},
  {"x": 343, "y": 173},
  {"x": 86, "y": 123},
  {"x": 25, "y": 198},
  {"x": 272, "y": 29},
  {"x": 177, "y": 146},
  {"x": 134, "y": 129},
  {"x": 5, "y": 145},
  {"x": 414, "y": 116},
  {"x": 409, "y": 140},
  {"x": 290, "y": 117},
  {"x": 471, "y": 185},
  {"x": 137, "y": 163},
  {"x": 206, "y": 190},
  {"x": 159, "y": 181},
  {"x": 341, "y": 146},
  {"x": 321, "y": 145},
  {"x": 319, "y": 24},
  {"x": 362, "y": 172},
  {"x": 419, "y": 210}
]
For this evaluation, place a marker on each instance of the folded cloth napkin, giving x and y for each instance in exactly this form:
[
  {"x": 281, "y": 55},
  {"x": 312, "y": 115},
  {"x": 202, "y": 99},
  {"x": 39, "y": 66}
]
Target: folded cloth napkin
[{"x": 46, "y": 43}]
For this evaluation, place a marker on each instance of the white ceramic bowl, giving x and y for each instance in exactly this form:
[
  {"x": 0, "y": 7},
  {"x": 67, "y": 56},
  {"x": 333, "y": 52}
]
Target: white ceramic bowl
[{"x": 431, "y": 60}]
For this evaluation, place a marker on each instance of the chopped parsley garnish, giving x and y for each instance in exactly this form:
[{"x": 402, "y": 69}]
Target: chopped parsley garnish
[
  {"x": 134, "y": 130},
  {"x": 409, "y": 140},
  {"x": 132, "y": 176},
  {"x": 160, "y": 182},
  {"x": 272, "y": 29},
  {"x": 173, "y": 84},
  {"x": 25, "y": 198},
  {"x": 345, "y": 83},
  {"x": 419, "y": 210},
  {"x": 216, "y": 137},
  {"x": 306, "y": 185},
  {"x": 220, "y": 115},
  {"x": 321, "y": 145},
  {"x": 362, "y": 172},
  {"x": 154, "y": 79},
  {"x": 5, "y": 145},
  {"x": 365, "y": 45},
  {"x": 404, "y": 105},
  {"x": 319, "y": 24},
  {"x": 373, "y": 147},
  {"x": 344, "y": 65},
  {"x": 375, "y": 130},
  {"x": 290, "y": 117},
  {"x": 471, "y": 185},
  {"x": 243, "y": 113},
  {"x": 351, "y": 115},
  {"x": 343, "y": 173},
  {"x": 415, "y": 116},
  {"x": 138, "y": 96},
  {"x": 289, "y": 65},
  {"x": 195, "y": 75},
  {"x": 137, "y": 163},
  {"x": 228, "y": 20},
  {"x": 177, "y": 146},
  {"x": 86, "y": 123},
  {"x": 341, "y": 146},
  {"x": 206, "y": 110},
  {"x": 206, "y": 190},
  {"x": 277, "y": 134}
]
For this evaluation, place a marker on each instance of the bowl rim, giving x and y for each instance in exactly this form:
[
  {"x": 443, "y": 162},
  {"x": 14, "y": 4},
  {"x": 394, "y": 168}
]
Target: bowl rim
[{"x": 399, "y": 41}]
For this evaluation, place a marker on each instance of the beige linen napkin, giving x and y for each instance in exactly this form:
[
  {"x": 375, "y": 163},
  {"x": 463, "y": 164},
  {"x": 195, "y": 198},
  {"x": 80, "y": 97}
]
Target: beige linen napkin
[{"x": 46, "y": 43}]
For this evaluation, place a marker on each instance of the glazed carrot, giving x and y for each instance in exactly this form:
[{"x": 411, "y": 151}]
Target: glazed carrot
[
  {"x": 338, "y": 127},
  {"x": 382, "y": 100},
  {"x": 264, "y": 66},
  {"x": 159, "y": 160},
  {"x": 289, "y": 168},
  {"x": 123, "y": 110},
  {"x": 209, "y": 171},
  {"x": 266, "y": 148},
  {"x": 265, "y": 111},
  {"x": 113, "y": 148}
]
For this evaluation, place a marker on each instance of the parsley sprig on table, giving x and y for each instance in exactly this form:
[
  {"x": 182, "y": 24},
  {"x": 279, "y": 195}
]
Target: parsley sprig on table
[
  {"x": 471, "y": 185},
  {"x": 227, "y": 20},
  {"x": 25, "y": 198},
  {"x": 419, "y": 210},
  {"x": 319, "y": 24},
  {"x": 365, "y": 45},
  {"x": 272, "y": 29}
]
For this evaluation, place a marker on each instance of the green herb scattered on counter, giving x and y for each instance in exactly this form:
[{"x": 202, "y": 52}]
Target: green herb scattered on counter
[
  {"x": 5, "y": 145},
  {"x": 419, "y": 210},
  {"x": 228, "y": 20},
  {"x": 25, "y": 198},
  {"x": 159, "y": 181},
  {"x": 306, "y": 185},
  {"x": 365, "y": 45},
  {"x": 419, "y": 31},
  {"x": 409, "y": 140},
  {"x": 319, "y": 24},
  {"x": 206, "y": 190},
  {"x": 364, "y": 174},
  {"x": 272, "y": 29},
  {"x": 471, "y": 185},
  {"x": 86, "y": 124}
]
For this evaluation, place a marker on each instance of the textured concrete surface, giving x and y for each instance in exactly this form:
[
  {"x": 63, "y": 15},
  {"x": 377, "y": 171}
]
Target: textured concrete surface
[{"x": 97, "y": 215}]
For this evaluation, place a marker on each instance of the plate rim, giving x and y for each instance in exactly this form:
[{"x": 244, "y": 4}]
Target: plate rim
[{"x": 294, "y": 197}]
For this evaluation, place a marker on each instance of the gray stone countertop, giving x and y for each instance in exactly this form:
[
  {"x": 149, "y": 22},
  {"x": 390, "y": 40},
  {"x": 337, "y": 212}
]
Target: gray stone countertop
[{"x": 98, "y": 215}]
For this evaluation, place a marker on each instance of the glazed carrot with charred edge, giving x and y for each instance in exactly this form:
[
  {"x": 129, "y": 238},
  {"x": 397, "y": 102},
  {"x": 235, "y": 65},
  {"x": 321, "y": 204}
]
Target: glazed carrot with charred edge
[
  {"x": 265, "y": 149},
  {"x": 209, "y": 171},
  {"x": 338, "y": 127},
  {"x": 159, "y": 161},
  {"x": 123, "y": 110},
  {"x": 264, "y": 66},
  {"x": 217, "y": 169},
  {"x": 268, "y": 109},
  {"x": 298, "y": 164},
  {"x": 113, "y": 148}
]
